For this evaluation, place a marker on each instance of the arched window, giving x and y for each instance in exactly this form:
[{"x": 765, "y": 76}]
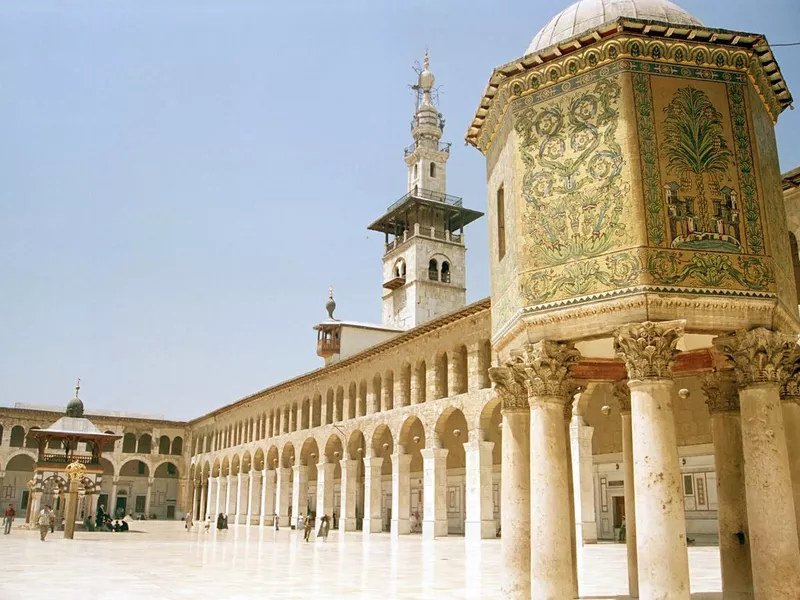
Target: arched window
[
  {"x": 32, "y": 442},
  {"x": 129, "y": 443},
  {"x": 163, "y": 445},
  {"x": 415, "y": 171},
  {"x": 17, "y": 437},
  {"x": 433, "y": 270},
  {"x": 433, "y": 169},
  {"x": 445, "y": 272}
]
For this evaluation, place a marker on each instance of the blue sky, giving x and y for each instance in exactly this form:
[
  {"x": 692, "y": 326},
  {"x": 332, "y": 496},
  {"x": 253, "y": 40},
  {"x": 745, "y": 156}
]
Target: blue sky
[{"x": 181, "y": 181}]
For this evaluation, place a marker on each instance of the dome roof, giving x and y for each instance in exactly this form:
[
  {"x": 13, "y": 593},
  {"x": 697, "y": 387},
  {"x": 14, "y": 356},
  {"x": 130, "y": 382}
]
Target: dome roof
[
  {"x": 75, "y": 407},
  {"x": 585, "y": 15}
]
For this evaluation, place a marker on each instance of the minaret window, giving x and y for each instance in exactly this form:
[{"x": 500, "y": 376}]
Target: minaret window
[
  {"x": 433, "y": 270},
  {"x": 501, "y": 223},
  {"x": 433, "y": 169},
  {"x": 445, "y": 272},
  {"x": 415, "y": 171}
]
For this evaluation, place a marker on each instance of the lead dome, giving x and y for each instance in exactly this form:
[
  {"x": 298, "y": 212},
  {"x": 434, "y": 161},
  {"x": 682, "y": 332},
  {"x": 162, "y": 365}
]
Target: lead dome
[{"x": 585, "y": 15}]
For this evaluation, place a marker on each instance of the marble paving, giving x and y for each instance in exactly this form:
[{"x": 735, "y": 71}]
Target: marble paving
[{"x": 160, "y": 561}]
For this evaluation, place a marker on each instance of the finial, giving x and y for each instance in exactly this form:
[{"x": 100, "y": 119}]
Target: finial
[
  {"x": 330, "y": 305},
  {"x": 426, "y": 63},
  {"x": 78, "y": 387}
]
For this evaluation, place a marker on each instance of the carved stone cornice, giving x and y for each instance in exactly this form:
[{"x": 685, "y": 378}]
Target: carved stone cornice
[
  {"x": 720, "y": 390},
  {"x": 547, "y": 365},
  {"x": 509, "y": 385},
  {"x": 649, "y": 348},
  {"x": 759, "y": 355},
  {"x": 622, "y": 394}
]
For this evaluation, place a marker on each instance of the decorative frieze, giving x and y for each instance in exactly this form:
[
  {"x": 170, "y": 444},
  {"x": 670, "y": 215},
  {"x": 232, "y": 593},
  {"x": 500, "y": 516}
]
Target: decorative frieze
[
  {"x": 720, "y": 390},
  {"x": 649, "y": 348},
  {"x": 759, "y": 355}
]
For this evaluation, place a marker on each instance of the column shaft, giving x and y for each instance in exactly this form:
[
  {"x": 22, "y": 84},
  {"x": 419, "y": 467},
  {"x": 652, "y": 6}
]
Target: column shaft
[
  {"x": 348, "y": 495},
  {"x": 630, "y": 505},
  {"x": 372, "y": 494},
  {"x": 283, "y": 494},
  {"x": 299, "y": 492},
  {"x": 401, "y": 494},
  {"x": 250, "y": 497},
  {"x": 515, "y": 506},
  {"x": 267, "y": 497},
  {"x": 480, "y": 505},
  {"x": 434, "y": 493},
  {"x": 217, "y": 497},
  {"x": 551, "y": 562},
  {"x": 583, "y": 480},
  {"x": 791, "y": 423},
  {"x": 573, "y": 532},
  {"x": 237, "y": 518},
  {"x": 228, "y": 487},
  {"x": 325, "y": 490},
  {"x": 203, "y": 501}
]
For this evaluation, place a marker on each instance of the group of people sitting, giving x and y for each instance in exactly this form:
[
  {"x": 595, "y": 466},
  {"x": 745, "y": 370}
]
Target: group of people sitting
[{"x": 104, "y": 523}]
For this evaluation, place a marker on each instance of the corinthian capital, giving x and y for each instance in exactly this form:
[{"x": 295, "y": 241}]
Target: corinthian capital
[
  {"x": 720, "y": 390},
  {"x": 509, "y": 384},
  {"x": 790, "y": 390},
  {"x": 622, "y": 394},
  {"x": 759, "y": 355},
  {"x": 548, "y": 365},
  {"x": 649, "y": 349}
]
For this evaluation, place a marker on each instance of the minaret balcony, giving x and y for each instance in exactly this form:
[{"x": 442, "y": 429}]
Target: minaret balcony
[
  {"x": 442, "y": 147},
  {"x": 424, "y": 232}
]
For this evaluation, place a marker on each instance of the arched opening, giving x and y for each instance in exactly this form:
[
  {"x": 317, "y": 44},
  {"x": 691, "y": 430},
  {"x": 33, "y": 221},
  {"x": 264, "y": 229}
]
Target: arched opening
[
  {"x": 17, "y": 439},
  {"x": 177, "y": 446},
  {"x": 316, "y": 410},
  {"x": 129, "y": 443},
  {"x": 433, "y": 169},
  {"x": 329, "y": 400},
  {"x": 382, "y": 447},
  {"x": 338, "y": 414},
  {"x": 304, "y": 500},
  {"x": 400, "y": 268},
  {"x": 405, "y": 385},
  {"x": 32, "y": 443},
  {"x": 451, "y": 433},
  {"x": 305, "y": 413},
  {"x": 460, "y": 370},
  {"x": 362, "y": 398},
  {"x": 491, "y": 429},
  {"x": 440, "y": 386},
  {"x": 163, "y": 445},
  {"x": 387, "y": 403},
  {"x": 145, "y": 445},
  {"x": 329, "y": 481},
  {"x": 375, "y": 398},
  {"x": 132, "y": 496},
  {"x": 293, "y": 413},
  {"x": 445, "y": 272},
  {"x": 419, "y": 385},
  {"x": 356, "y": 446},
  {"x": 164, "y": 492},
  {"x": 352, "y": 400},
  {"x": 412, "y": 440},
  {"x": 433, "y": 270},
  {"x": 19, "y": 471}
]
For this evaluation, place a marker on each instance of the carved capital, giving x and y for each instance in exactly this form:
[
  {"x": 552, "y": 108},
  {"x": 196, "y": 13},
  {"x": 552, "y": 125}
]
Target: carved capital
[
  {"x": 720, "y": 390},
  {"x": 622, "y": 394},
  {"x": 759, "y": 355},
  {"x": 790, "y": 390},
  {"x": 649, "y": 349},
  {"x": 547, "y": 365},
  {"x": 509, "y": 384}
]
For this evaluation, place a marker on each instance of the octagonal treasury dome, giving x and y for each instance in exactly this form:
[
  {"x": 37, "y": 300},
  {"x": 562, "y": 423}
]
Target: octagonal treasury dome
[{"x": 585, "y": 15}]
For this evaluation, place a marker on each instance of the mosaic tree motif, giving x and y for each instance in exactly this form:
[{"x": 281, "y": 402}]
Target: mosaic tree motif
[
  {"x": 573, "y": 185},
  {"x": 697, "y": 152}
]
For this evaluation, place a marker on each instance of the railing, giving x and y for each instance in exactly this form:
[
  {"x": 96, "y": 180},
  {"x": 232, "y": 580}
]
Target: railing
[
  {"x": 428, "y": 195},
  {"x": 65, "y": 460},
  {"x": 425, "y": 232},
  {"x": 442, "y": 147}
]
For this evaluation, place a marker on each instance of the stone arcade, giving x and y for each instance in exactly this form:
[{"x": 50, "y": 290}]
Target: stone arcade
[{"x": 636, "y": 362}]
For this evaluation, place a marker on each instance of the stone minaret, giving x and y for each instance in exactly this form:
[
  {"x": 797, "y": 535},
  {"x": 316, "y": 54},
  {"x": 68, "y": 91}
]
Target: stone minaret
[{"x": 424, "y": 261}]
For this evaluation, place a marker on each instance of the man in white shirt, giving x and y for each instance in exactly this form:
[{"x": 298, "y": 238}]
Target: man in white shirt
[{"x": 44, "y": 522}]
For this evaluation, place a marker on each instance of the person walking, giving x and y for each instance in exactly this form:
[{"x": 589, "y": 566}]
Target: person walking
[
  {"x": 188, "y": 520},
  {"x": 220, "y": 522},
  {"x": 44, "y": 522},
  {"x": 324, "y": 528},
  {"x": 275, "y": 521},
  {"x": 8, "y": 519},
  {"x": 307, "y": 527},
  {"x": 52, "y": 520}
]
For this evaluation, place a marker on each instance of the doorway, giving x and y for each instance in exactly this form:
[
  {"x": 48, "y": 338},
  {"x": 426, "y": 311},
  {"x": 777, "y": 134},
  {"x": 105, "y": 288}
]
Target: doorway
[
  {"x": 121, "y": 507},
  {"x": 619, "y": 515}
]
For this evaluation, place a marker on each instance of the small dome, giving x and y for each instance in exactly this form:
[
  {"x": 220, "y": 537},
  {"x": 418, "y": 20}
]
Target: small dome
[
  {"x": 75, "y": 408},
  {"x": 585, "y": 15},
  {"x": 426, "y": 79}
]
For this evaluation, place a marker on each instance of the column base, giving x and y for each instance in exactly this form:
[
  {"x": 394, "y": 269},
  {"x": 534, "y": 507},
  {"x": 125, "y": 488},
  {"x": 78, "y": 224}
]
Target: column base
[
  {"x": 400, "y": 527},
  {"x": 480, "y": 530},
  {"x": 433, "y": 529},
  {"x": 372, "y": 525},
  {"x": 283, "y": 521},
  {"x": 587, "y": 532},
  {"x": 347, "y": 524}
]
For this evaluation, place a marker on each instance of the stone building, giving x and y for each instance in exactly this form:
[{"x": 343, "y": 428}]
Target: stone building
[{"x": 643, "y": 297}]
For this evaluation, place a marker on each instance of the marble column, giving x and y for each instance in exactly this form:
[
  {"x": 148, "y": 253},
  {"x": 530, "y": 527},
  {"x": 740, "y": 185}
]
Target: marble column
[
  {"x": 283, "y": 494},
  {"x": 299, "y": 492},
  {"x": 790, "y": 406},
  {"x": 203, "y": 501},
  {"x": 763, "y": 360},
  {"x": 250, "y": 486},
  {"x": 515, "y": 507},
  {"x": 583, "y": 479},
  {"x": 325, "y": 484},
  {"x": 372, "y": 522},
  {"x": 212, "y": 493},
  {"x": 195, "y": 506},
  {"x": 547, "y": 366},
  {"x": 228, "y": 487},
  {"x": 573, "y": 528},
  {"x": 434, "y": 468},
  {"x": 267, "y": 497},
  {"x": 726, "y": 430},
  {"x": 348, "y": 495},
  {"x": 217, "y": 497},
  {"x": 238, "y": 512},
  {"x": 480, "y": 504},
  {"x": 112, "y": 503},
  {"x": 623, "y": 395},
  {"x": 401, "y": 492},
  {"x": 649, "y": 351},
  {"x": 417, "y": 386},
  {"x": 474, "y": 370}
]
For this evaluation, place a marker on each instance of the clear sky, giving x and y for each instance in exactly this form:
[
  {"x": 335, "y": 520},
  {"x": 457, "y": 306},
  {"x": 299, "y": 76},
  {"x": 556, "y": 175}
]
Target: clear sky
[{"x": 181, "y": 181}]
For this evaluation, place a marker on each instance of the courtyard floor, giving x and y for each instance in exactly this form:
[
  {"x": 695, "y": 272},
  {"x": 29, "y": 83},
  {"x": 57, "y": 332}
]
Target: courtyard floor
[{"x": 160, "y": 561}]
